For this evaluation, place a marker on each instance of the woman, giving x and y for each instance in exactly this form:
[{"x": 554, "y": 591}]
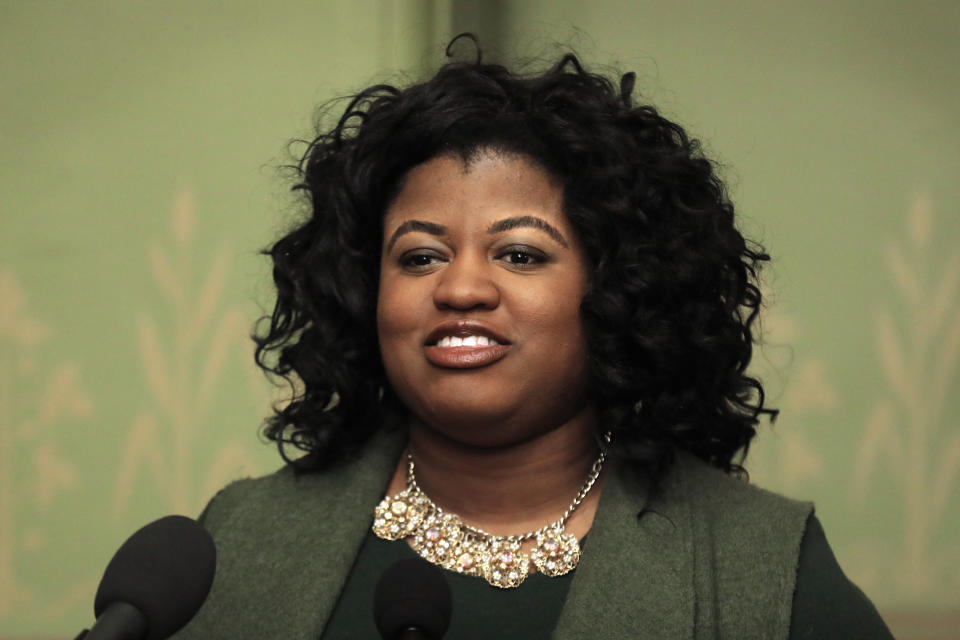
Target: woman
[{"x": 520, "y": 316}]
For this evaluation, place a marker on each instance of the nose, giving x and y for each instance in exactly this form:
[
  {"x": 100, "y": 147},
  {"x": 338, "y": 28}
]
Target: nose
[{"x": 465, "y": 284}]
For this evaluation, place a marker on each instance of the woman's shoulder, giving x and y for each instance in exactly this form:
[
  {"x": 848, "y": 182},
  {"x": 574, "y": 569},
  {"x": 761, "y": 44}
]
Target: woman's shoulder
[
  {"x": 746, "y": 542},
  {"x": 286, "y": 542},
  {"x": 290, "y": 490},
  {"x": 246, "y": 504},
  {"x": 721, "y": 496},
  {"x": 721, "y": 517},
  {"x": 248, "y": 492}
]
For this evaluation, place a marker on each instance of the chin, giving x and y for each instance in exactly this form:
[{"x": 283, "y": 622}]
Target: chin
[
  {"x": 481, "y": 417},
  {"x": 487, "y": 429},
  {"x": 479, "y": 425}
]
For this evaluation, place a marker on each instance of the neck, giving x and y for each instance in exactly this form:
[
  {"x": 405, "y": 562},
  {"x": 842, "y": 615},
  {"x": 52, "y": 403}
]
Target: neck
[{"x": 508, "y": 489}]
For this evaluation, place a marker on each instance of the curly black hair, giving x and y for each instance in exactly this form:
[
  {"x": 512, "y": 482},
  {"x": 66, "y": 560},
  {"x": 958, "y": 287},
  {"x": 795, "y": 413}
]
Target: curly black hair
[{"x": 673, "y": 296}]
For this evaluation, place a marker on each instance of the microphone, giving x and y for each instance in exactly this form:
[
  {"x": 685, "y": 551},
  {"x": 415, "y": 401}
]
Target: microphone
[
  {"x": 155, "y": 583},
  {"x": 412, "y": 601}
]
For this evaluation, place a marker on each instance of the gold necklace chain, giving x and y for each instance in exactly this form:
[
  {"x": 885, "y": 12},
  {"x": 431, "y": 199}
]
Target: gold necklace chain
[
  {"x": 445, "y": 540},
  {"x": 584, "y": 490}
]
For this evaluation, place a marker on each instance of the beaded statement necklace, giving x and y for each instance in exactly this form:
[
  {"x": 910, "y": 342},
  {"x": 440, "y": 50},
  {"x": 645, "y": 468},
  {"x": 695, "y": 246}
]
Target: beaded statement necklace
[{"x": 444, "y": 540}]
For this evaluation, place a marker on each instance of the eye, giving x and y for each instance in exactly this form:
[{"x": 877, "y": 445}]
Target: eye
[
  {"x": 520, "y": 257},
  {"x": 523, "y": 257},
  {"x": 419, "y": 260}
]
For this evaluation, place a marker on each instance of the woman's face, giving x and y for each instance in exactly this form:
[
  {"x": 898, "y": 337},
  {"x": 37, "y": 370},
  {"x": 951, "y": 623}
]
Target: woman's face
[{"x": 478, "y": 317}]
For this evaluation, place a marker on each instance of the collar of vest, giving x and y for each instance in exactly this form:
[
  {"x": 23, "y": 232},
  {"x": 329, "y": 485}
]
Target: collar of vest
[{"x": 636, "y": 571}]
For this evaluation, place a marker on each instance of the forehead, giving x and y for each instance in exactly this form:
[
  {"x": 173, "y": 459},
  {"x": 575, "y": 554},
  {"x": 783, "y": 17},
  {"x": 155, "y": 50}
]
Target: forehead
[{"x": 486, "y": 186}]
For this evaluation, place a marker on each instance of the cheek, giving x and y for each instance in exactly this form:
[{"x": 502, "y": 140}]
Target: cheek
[
  {"x": 557, "y": 308},
  {"x": 562, "y": 321},
  {"x": 398, "y": 320},
  {"x": 390, "y": 318},
  {"x": 389, "y": 333},
  {"x": 557, "y": 330}
]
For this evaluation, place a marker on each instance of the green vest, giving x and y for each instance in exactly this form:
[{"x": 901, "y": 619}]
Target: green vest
[{"x": 710, "y": 556}]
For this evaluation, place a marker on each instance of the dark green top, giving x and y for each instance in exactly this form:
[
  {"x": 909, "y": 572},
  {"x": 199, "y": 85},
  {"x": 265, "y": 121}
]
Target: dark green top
[
  {"x": 479, "y": 610},
  {"x": 825, "y": 604}
]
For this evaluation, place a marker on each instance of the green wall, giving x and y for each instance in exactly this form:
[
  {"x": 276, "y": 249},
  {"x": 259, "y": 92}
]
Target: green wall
[{"x": 139, "y": 154}]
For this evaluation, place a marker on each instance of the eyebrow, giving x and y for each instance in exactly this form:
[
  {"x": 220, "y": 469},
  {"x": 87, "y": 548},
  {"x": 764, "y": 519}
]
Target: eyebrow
[
  {"x": 499, "y": 226},
  {"x": 528, "y": 221},
  {"x": 410, "y": 226}
]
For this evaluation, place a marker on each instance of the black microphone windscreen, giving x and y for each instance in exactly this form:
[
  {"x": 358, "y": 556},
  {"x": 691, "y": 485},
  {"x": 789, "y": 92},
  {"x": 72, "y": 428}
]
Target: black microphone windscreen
[
  {"x": 165, "y": 570},
  {"x": 412, "y": 593}
]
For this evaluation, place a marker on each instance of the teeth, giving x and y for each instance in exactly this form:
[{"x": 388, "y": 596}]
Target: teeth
[{"x": 468, "y": 341}]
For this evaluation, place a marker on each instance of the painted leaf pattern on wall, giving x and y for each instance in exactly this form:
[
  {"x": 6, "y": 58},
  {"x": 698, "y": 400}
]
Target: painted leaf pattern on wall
[
  {"x": 182, "y": 357},
  {"x": 38, "y": 403},
  {"x": 908, "y": 434}
]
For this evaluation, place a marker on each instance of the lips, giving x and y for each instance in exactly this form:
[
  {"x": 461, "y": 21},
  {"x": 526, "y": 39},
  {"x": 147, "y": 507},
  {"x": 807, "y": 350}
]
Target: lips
[{"x": 467, "y": 356}]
